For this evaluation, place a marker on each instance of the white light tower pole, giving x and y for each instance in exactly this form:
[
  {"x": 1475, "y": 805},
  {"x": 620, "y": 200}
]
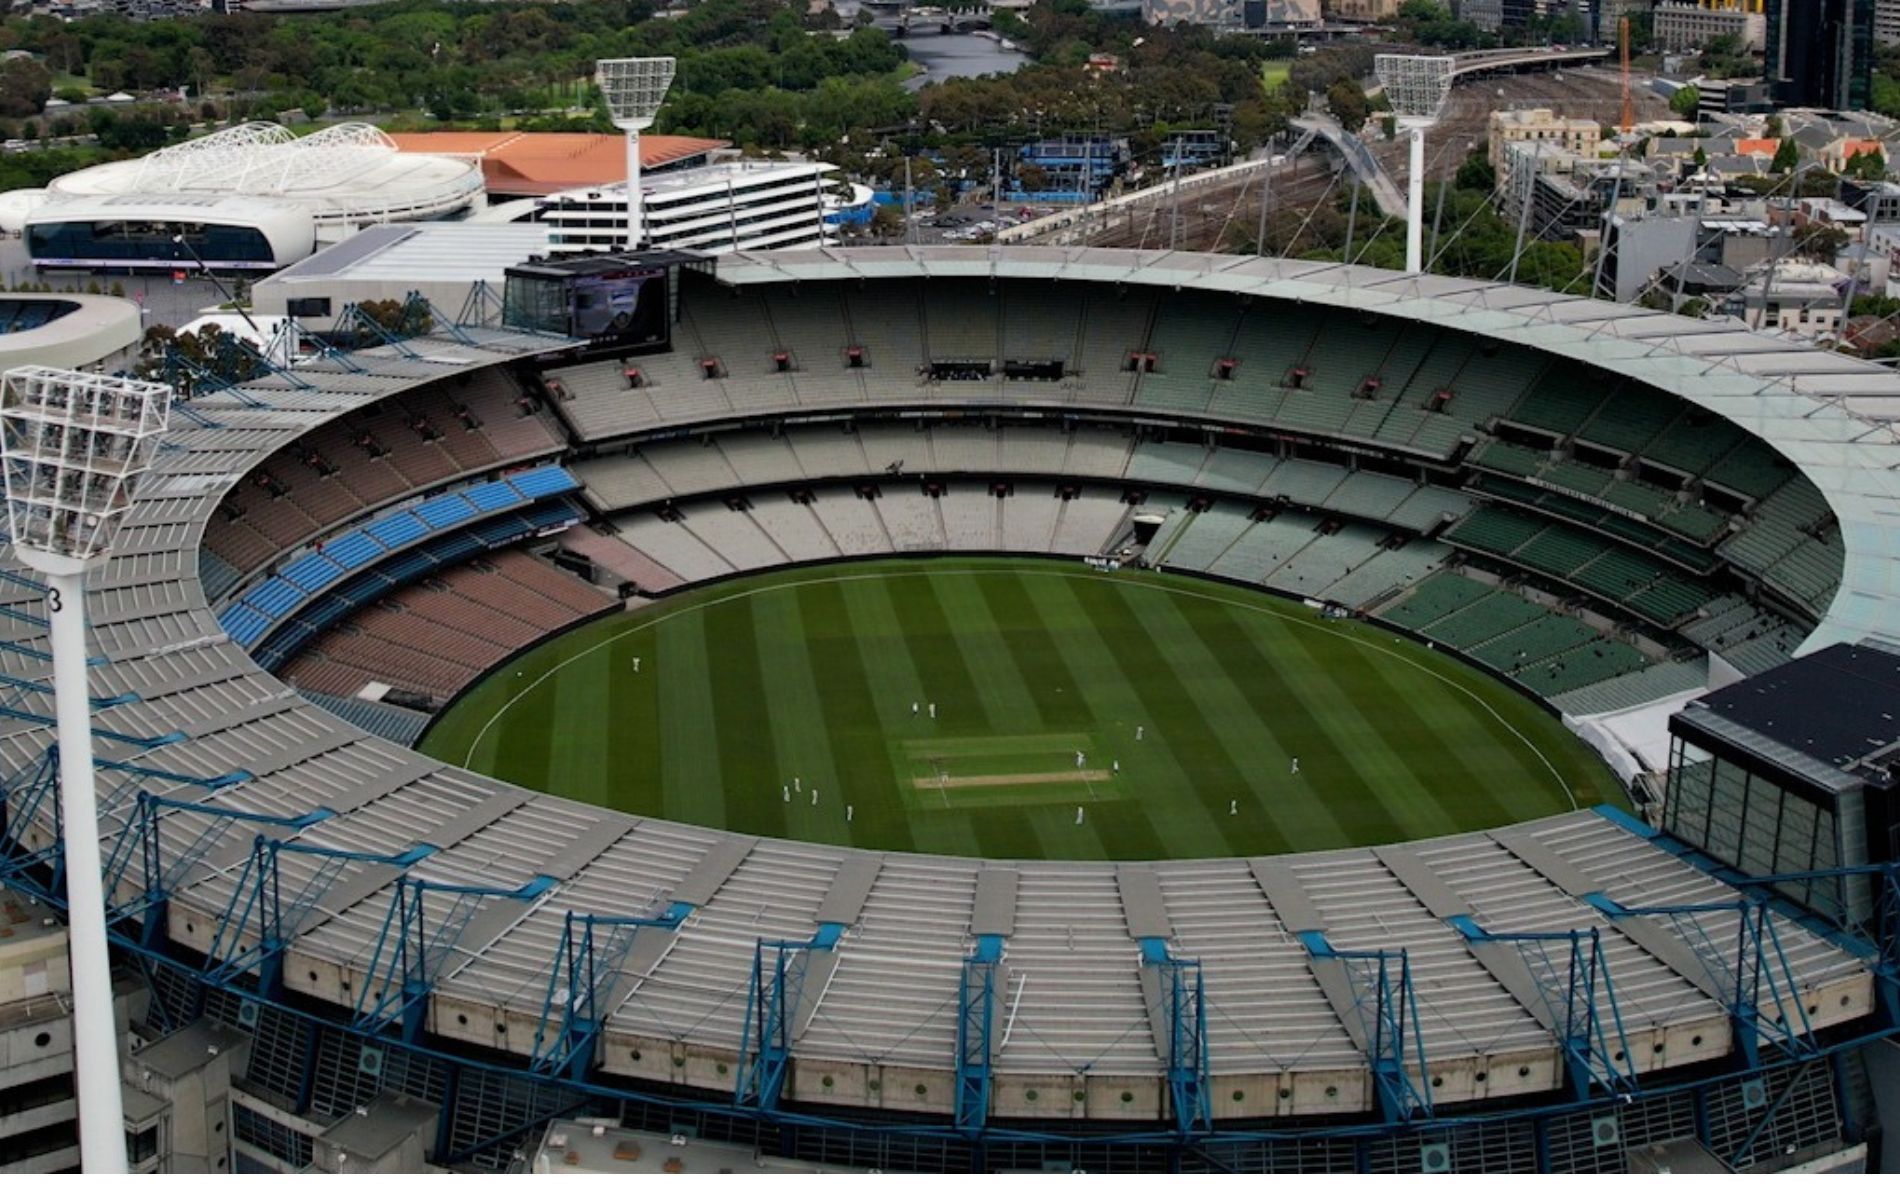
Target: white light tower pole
[
  {"x": 1415, "y": 86},
  {"x": 633, "y": 89},
  {"x": 71, "y": 446}
]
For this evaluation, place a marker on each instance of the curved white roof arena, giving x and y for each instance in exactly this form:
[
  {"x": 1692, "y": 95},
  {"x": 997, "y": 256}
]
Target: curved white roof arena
[
  {"x": 882, "y": 1031},
  {"x": 86, "y": 330},
  {"x": 350, "y": 173}
]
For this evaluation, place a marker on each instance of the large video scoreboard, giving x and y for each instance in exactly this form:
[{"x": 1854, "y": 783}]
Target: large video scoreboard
[{"x": 618, "y": 302}]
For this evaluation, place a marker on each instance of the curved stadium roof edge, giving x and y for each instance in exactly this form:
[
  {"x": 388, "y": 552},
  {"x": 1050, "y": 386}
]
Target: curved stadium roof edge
[{"x": 894, "y": 975}]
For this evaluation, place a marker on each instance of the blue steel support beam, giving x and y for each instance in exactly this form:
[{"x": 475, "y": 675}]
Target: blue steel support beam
[
  {"x": 418, "y": 304},
  {"x": 587, "y": 966},
  {"x": 772, "y": 999},
  {"x": 353, "y": 316},
  {"x": 47, "y": 721},
  {"x": 38, "y": 688},
  {"x": 35, "y": 788},
  {"x": 976, "y": 1012},
  {"x": 1757, "y": 984},
  {"x": 1387, "y": 1008},
  {"x": 410, "y": 949},
  {"x": 259, "y": 905},
  {"x": 1576, "y": 991},
  {"x": 1184, "y": 1012},
  {"x": 1880, "y": 932},
  {"x": 139, "y": 837}
]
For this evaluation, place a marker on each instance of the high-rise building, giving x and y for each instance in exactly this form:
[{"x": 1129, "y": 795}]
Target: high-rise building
[
  {"x": 1887, "y": 22},
  {"x": 1684, "y": 25},
  {"x": 1820, "y": 53}
]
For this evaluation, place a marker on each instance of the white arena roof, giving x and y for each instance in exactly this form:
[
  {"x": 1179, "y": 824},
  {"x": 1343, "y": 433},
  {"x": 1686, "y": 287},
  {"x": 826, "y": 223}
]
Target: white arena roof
[{"x": 350, "y": 172}]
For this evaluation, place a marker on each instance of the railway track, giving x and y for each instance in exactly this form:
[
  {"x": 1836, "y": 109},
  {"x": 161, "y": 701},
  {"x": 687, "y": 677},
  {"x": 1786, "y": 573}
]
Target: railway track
[{"x": 1226, "y": 217}]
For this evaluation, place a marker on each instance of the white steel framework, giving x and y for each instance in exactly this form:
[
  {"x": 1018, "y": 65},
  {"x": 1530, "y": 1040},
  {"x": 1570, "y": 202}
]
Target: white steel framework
[{"x": 73, "y": 445}]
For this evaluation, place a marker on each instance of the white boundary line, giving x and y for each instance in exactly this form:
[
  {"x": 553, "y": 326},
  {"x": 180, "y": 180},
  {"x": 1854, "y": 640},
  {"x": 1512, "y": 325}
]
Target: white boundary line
[{"x": 859, "y": 577}]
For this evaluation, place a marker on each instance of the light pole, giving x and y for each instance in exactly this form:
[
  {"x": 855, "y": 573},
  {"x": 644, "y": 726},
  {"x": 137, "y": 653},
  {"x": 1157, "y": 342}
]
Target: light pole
[
  {"x": 633, "y": 89},
  {"x": 71, "y": 447},
  {"x": 1415, "y": 86}
]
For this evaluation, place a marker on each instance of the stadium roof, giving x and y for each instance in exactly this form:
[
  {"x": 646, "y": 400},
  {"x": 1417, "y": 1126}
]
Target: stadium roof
[
  {"x": 351, "y": 170},
  {"x": 540, "y": 164},
  {"x": 884, "y": 1013},
  {"x": 78, "y": 331}
]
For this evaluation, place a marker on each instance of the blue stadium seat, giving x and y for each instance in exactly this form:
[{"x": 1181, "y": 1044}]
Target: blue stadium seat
[
  {"x": 311, "y": 571},
  {"x": 443, "y": 511},
  {"x": 354, "y": 550},
  {"x": 398, "y": 529},
  {"x": 545, "y": 481},
  {"x": 494, "y": 497},
  {"x": 243, "y": 623},
  {"x": 273, "y": 597}
]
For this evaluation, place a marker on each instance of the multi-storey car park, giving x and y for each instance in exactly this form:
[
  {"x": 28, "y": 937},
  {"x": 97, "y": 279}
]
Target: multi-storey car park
[{"x": 1620, "y": 489}]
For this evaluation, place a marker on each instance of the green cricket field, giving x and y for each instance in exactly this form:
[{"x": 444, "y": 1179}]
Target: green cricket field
[{"x": 1015, "y": 708}]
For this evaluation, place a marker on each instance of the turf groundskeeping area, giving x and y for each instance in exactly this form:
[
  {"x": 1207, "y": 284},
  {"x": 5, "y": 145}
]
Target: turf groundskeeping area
[{"x": 1169, "y": 711}]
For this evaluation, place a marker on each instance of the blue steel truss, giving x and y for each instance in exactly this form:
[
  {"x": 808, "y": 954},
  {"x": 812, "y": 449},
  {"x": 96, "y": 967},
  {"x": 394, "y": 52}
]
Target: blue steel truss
[
  {"x": 1580, "y": 1004},
  {"x": 410, "y": 948},
  {"x": 976, "y": 1016},
  {"x": 163, "y": 869},
  {"x": 481, "y": 308},
  {"x": 772, "y": 1000},
  {"x": 1184, "y": 1016},
  {"x": 33, "y": 792},
  {"x": 1878, "y": 934},
  {"x": 1386, "y": 1006},
  {"x": 586, "y": 968},
  {"x": 191, "y": 379},
  {"x": 1754, "y": 981},
  {"x": 263, "y": 916}
]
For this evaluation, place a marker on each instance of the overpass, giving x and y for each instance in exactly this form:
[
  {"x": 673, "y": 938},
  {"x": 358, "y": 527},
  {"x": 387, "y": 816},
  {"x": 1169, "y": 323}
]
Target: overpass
[
  {"x": 1359, "y": 158},
  {"x": 1478, "y": 62},
  {"x": 1469, "y": 65}
]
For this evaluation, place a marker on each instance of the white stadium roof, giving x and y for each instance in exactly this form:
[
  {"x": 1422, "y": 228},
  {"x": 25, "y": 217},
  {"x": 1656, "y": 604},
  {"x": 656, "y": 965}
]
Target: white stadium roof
[{"x": 344, "y": 172}]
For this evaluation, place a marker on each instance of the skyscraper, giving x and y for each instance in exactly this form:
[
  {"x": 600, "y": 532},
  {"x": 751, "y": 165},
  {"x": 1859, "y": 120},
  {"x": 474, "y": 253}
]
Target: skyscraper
[{"x": 1820, "y": 53}]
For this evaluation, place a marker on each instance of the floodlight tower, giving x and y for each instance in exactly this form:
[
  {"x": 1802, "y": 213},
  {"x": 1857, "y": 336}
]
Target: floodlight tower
[
  {"x": 1415, "y": 86},
  {"x": 633, "y": 89},
  {"x": 72, "y": 445}
]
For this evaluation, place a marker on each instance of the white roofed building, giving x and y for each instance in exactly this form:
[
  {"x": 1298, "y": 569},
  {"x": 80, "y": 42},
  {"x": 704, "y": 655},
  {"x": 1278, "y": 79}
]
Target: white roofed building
[
  {"x": 250, "y": 198},
  {"x": 716, "y": 209}
]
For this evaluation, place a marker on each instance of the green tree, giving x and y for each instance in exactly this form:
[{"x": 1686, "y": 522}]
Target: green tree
[
  {"x": 1347, "y": 102},
  {"x": 25, "y": 87},
  {"x": 1787, "y": 157},
  {"x": 1867, "y": 166},
  {"x": 1476, "y": 174},
  {"x": 1686, "y": 101}
]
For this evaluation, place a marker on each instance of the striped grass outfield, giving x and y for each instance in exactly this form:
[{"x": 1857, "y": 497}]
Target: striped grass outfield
[{"x": 810, "y": 675}]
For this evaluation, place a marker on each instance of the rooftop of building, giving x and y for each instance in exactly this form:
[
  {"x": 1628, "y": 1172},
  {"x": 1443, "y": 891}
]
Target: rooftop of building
[
  {"x": 712, "y": 175},
  {"x": 540, "y": 164},
  {"x": 1839, "y": 705},
  {"x": 1544, "y": 118},
  {"x": 433, "y": 252}
]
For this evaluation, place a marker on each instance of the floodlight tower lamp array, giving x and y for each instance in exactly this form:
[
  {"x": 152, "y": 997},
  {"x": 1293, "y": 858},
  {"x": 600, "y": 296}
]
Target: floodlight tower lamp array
[
  {"x": 1415, "y": 86},
  {"x": 72, "y": 447},
  {"x": 633, "y": 90}
]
